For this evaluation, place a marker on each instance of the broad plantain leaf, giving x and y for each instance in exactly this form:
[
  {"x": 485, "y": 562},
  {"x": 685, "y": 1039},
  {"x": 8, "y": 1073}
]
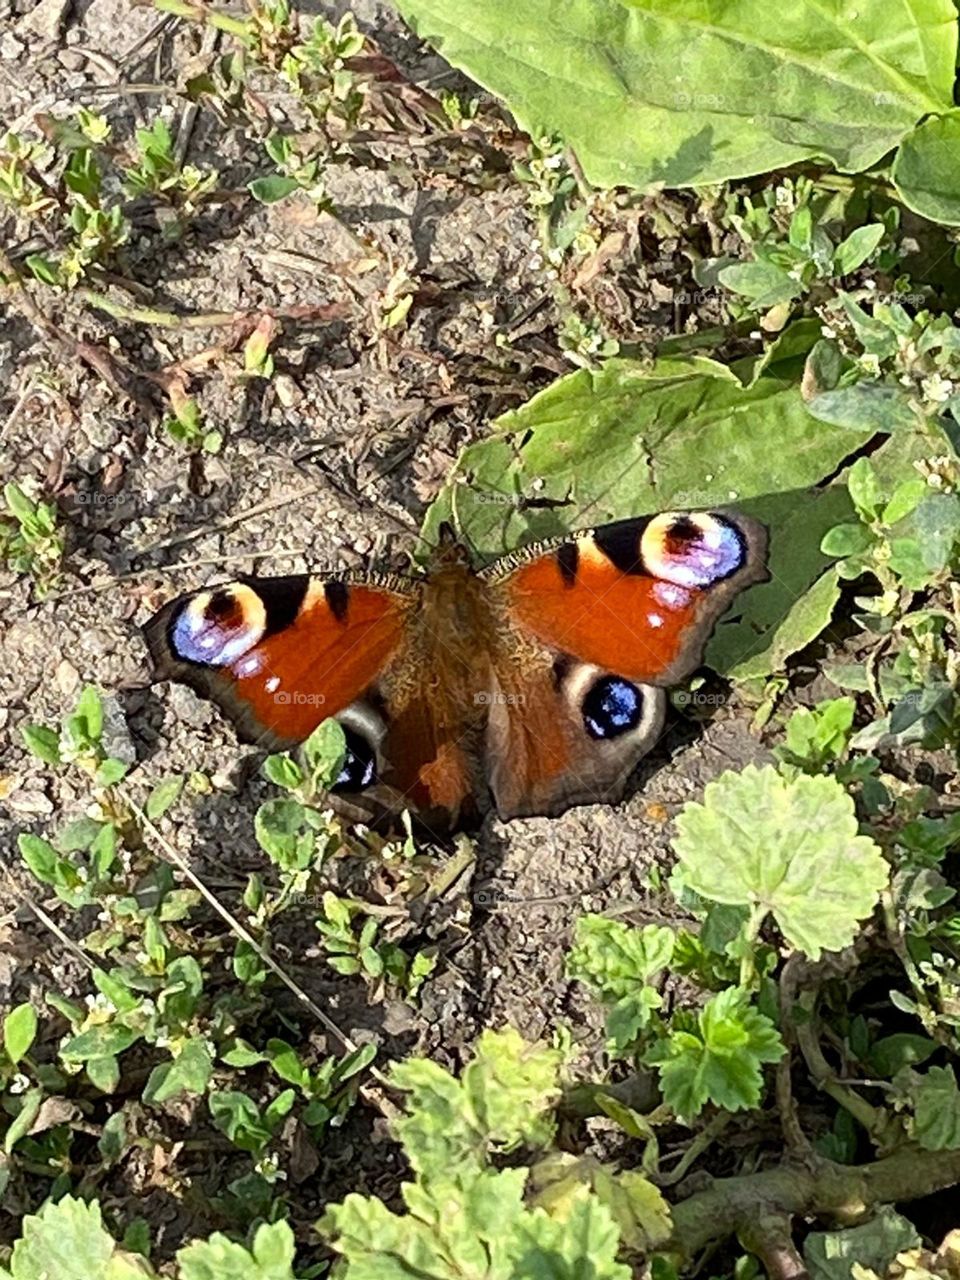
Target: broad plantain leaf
[
  {"x": 925, "y": 169},
  {"x": 721, "y": 1061},
  {"x": 628, "y": 439},
  {"x": 658, "y": 92},
  {"x": 785, "y": 846}
]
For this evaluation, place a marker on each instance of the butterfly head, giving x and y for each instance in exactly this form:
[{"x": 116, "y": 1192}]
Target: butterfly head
[{"x": 449, "y": 552}]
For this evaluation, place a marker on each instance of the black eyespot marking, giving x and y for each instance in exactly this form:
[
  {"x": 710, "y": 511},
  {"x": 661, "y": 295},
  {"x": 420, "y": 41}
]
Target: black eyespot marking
[
  {"x": 337, "y": 595},
  {"x": 620, "y": 543},
  {"x": 359, "y": 768},
  {"x": 221, "y": 606},
  {"x": 611, "y": 707},
  {"x": 682, "y": 534},
  {"x": 568, "y": 559}
]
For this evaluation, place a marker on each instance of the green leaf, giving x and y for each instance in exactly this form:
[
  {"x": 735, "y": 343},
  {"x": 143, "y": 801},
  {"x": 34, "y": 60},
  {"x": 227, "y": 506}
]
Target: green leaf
[
  {"x": 762, "y": 282},
  {"x": 67, "y": 1240},
  {"x": 865, "y": 406},
  {"x": 857, "y": 247},
  {"x": 648, "y": 92},
  {"x": 505, "y": 1097},
  {"x": 190, "y": 1072},
  {"x": 239, "y": 1118},
  {"x": 907, "y": 496},
  {"x": 219, "y": 1258},
  {"x": 831, "y": 1255},
  {"x": 453, "y": 1229},
  {"x": 847, "y": 540},
  {"x": 925, "y": 169},
  {"x": 818, "y": 735},
  {"x": 284, "y": 772},
  {"x": 284, "y": 829},
  {"x": 936, "y": 1102},
  {"x": 113, "y": 1140},
  {"x": 627, "y": 439},
  {"x": 721, "y": 1061},
  {"x": 110, "y": 772},
  {"x": 787, "y": 847},
  {"x": 584, "y": 1242},
  {"x": 324, "y": 752},
  {"x": 89, "y": 713},
  {"x": 22, "y": 1123},
  {"x": 271, "y": 189},
  {"x": 42, "y": 742},
  {"x": 163, "y": 795},
  {"x": 19, "y": 1031},
  {"x": 101, "y": 1041},
  {"x": 865, "y": 489},
  {"x": 617, "y": 962},
  {"x": 891, "y": 1053},
  {"x": 103, "y": 1073}
]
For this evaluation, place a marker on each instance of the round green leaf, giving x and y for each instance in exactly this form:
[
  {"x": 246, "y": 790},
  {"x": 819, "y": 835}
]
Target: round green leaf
[{"x": 789, "y": 846}]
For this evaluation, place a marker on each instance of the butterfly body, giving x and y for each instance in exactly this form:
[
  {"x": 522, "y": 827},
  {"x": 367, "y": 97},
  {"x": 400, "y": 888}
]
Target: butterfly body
[{"x": 538, "y": 681}]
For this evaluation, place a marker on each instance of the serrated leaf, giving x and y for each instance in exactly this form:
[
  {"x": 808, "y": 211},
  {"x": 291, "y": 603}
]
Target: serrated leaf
[
  {"x": 936, "y": 1102},
  {"x": 720, "y": 1062},
  {"x": 67, "y": 1240},
  {"x": 787, "y": 847},
  {"x": 219, "y": 1258},
  {"x": 506, "y": 1097}
]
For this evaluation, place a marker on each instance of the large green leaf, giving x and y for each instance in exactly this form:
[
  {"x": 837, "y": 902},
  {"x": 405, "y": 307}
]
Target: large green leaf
[
  {"x": 629, "y": 439},
  {"x": 785, "y": 846},
  {"x": 679, "y": 92},
  {"x": 926, "y": 172},
  {"x": 68, "y": 1240}
]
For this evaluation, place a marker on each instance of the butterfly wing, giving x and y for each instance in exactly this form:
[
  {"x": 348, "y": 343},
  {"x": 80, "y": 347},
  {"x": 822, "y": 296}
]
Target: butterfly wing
[
  {"x": 280, "y": 654},
  {"x": 600, "y": 623}
]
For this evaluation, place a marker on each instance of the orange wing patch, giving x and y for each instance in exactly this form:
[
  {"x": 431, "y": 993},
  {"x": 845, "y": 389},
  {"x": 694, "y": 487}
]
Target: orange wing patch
[
  {"x": 638, "y": 597},
  {"x": 279, "y": 654}
]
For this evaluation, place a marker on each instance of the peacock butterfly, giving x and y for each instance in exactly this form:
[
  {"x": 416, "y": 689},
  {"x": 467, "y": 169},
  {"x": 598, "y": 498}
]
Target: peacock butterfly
[{"x": 538, "y": 680}]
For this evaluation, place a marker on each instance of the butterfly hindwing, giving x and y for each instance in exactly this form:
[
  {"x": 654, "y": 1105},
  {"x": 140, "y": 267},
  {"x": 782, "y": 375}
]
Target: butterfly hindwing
[{"x": 563, "y": 733}]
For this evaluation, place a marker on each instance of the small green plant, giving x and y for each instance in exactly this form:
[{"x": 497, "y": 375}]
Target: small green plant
[
  {"x": 791, "y": 232},
  {"x": 184, "y": 424},
  {"x": 31, "y": 541}
]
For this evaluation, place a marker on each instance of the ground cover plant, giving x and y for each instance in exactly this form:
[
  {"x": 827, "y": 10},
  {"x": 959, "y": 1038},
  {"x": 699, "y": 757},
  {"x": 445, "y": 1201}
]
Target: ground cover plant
[{"x": 280, "y": 284}]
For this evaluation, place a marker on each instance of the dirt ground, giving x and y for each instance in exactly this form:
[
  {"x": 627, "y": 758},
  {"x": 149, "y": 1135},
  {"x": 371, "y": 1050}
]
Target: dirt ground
[{"x": 366, "y": 436}]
